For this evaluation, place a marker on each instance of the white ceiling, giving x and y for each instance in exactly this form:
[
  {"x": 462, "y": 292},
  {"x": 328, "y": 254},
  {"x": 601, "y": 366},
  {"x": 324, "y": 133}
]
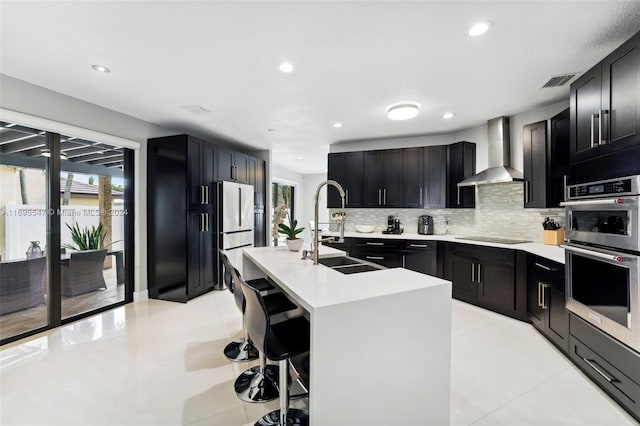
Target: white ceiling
[{"x": 351, "y": 60}]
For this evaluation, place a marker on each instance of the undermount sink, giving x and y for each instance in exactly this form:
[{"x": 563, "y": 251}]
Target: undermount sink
[{"x": 349, "y": 265}]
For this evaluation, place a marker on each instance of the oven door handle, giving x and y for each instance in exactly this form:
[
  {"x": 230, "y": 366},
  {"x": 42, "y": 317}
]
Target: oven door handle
[
  {"x": 604, "y": 256},
  {"x": 601, "y": 201}
]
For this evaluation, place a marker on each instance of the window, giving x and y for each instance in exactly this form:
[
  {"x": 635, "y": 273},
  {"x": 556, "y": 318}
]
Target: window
[{"x": 283, "y": 195}]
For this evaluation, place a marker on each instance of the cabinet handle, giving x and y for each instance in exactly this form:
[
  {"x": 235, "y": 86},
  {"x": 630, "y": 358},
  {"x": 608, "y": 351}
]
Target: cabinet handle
[
  {"x": 426, "y": 196},
  {"x": 384, "y": 196},
  {"x": 347, "y": 196},
  {"x": 592, "y": 363},
  {"x": 593, "y": 123},
  {"x": 201, "y": 222},
  {"x": 458, "y": 196},
  {"x": 527, "y": 198},
  {"x": 240, "y": 206},
  {"x": 473, "y": 273},
  {"x": 419, "y": 245},
  {"x": 201, "y": 194},
  {"x": 403, "y": 262},
  {"x": 374, "y": 244},
  {"x": 539, "y": 294},
  {"x": 544, "y": 295},
  {"x": 420, "y": 196},
  {"x": 375, "y": 257},
  {"x": 379, "y": 196},
  {"x": 564, "y": 188},
  {"x": 546, "y": 268},
  {"x": 206, "y": 194},
  {"x": 603, "y": 141},
  {"x": 479, "y": 273}
]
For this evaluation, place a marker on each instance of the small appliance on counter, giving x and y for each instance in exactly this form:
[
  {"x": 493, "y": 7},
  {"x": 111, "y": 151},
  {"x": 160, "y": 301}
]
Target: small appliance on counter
[
  {"x": 393, "y": 226},
  {"x": 425, "y": 225}
]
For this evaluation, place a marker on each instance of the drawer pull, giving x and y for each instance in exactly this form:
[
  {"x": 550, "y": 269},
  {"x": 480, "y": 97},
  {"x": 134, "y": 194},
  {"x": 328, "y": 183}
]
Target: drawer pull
[
  {"x": 374, "y": 244},
  {"x": 375, "y": 257},
  {"x": 546, "y": 268},
  {"x": 592, "y": 363},
  {"x": 419, "y": 245}
]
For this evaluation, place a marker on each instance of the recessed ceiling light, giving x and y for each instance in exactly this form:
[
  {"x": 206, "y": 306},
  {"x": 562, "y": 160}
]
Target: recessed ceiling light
[
  {"x": 448, "y": 115},
  {"x": 101, "y": 68},
  {"x": 337, "y": 124},
  {"x": 299, "y": 158},
  {"x": 479, "y": 28},
  {"x": 286, "y": 67},
  {"x": 403, "y": 110}
]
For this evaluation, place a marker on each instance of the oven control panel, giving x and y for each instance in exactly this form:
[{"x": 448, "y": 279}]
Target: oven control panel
[{"x": 613, "y": 187}]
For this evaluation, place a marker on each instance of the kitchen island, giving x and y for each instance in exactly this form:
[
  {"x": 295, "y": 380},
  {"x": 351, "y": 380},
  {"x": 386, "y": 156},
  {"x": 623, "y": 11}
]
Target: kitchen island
[{"x": 380, "y": 340}]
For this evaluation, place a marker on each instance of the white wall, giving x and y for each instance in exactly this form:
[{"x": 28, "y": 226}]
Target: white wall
[
  {"x": 310, "y": 185},
  {"x": 20, "y": 96}
]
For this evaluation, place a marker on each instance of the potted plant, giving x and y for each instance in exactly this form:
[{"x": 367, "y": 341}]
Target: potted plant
[
  {"x": 87, "y": 238},
  {"x": 291, "y": 231}
]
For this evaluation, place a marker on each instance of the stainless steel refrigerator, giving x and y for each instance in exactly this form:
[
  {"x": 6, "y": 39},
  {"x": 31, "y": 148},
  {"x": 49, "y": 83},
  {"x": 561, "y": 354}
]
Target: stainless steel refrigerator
[{"x": 235, "y": 222}]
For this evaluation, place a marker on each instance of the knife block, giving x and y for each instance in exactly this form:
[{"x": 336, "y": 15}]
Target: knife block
[{"x": 554, "y": 237}]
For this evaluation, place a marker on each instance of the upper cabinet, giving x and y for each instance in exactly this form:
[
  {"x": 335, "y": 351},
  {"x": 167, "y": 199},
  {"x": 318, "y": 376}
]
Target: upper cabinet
[
  {"x": 346, "y": 168},
  {"x": 605, "y": 105},
  {"x": 546, "y": 161},
  {"x": 461, "y": 164},
  {"x": 420, "y": 177},
  {"x": 233, "y": 166},
  {"x": 383, "y": 178}
]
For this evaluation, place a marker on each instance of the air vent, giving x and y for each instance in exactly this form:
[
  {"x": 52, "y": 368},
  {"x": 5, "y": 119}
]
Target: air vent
[
  {"x": 558, "y": 80},
  {"x": 196, "y": 109}
]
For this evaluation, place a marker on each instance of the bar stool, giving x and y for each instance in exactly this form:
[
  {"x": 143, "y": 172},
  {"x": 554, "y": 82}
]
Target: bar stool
[
  {"x": 279, "y": 342},
  {"x": 240, "y": 350}
]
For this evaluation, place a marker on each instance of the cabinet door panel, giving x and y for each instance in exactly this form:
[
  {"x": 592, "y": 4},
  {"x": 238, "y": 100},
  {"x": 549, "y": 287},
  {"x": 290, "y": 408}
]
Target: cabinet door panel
[
  {"x": 558, "y": 318},
  {"x": 373, "y": 163},
  {"x": 208, "y": 172},
  {"x": 423, "y": 262},
  {"x": 621, "y": 96},
  {"x": 463, "y": 276},
  {"x": 241, "y": 164},
  {"x": 412, "y": 177},
  {"x": 208, "y": 252},
  {"x": 536, "y": 313},
  {"x": 585, "y": 94},
  {"x": 225, "y": 164},
  {"x": 392, "y": 178},
  {"x": 435, "y": 175},
  {"x": 496, "y": 285},
  {"x": 336, "y": 170},
  {"x": 535, "y": 162},
  {"x": 354, "y": 180},
  {"x": 194, "y": 173},
  {"x": 195, "y": 253}
]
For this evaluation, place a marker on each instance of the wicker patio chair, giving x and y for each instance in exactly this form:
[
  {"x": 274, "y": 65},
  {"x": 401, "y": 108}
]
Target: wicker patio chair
[
  {"x": 21, "y": 284},
  {"x": 82, "y": 273}
]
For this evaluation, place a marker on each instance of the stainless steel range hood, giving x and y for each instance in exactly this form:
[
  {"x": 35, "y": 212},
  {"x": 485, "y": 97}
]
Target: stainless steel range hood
[{"x": 499, "y": 170}]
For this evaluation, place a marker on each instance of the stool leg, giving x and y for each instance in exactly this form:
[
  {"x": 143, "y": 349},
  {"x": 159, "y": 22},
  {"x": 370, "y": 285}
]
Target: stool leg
[
  {"x": 258, "y": 384},
  {"x": 285, "y": 416}
]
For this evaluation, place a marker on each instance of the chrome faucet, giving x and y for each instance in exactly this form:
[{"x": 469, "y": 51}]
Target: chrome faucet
[{"x": 316, "y": 239}]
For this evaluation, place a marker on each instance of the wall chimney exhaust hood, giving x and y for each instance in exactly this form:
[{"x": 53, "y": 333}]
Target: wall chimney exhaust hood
[{"x": 499, "y": 170}]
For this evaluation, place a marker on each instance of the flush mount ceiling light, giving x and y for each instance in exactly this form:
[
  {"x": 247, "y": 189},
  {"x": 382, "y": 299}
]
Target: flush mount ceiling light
[
  {"x": 101, "y": 68},
  {"x": 286, "y": 67},
  {"x": 479, "y": 28},
  {"x": 448, "y": 115},
  {"x": 403, "y": 110},
  {"x": 337, "y": 124}
]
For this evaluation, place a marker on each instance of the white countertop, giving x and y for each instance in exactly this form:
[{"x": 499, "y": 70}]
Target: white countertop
[
  {"x": 550, "y": 252},
  {"x": 316, "y": 286}
]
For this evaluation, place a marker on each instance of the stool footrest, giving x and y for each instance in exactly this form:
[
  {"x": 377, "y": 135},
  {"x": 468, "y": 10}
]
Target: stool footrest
[{"x": 294, "y": 417}]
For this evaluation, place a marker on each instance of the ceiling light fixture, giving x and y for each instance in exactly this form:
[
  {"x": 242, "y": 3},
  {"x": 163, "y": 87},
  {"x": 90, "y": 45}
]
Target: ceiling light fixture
[
  {"x": 403, "y": 110},
  {"x": 286, "y": 67},
  {"x": 101, "y": 68},
  {"x": 299, "y": 158},
  {"x": 47, "y": 153},
  {"x": 479, "y": 28},
  {"x": 337, "y": 124},
  {"x": 448, "y": 115}
]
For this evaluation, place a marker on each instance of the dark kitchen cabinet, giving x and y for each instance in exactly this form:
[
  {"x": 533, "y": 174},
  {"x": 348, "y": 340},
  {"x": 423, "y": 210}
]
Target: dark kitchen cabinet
[
  {"x": 383, "y": 178},
  {"x": 608, "y": 363},
  {"x": 605, "y": 105},
  {"x": 385, "y": 252},
  {"x": 546, "y": 301},
  {"x": 232, "y": 166},
  {"x": 488, "y": 277},
  {"x": 258, "y": 180},
  {"x": 346, "y": 168},
  {"x": 420, "y": 256},
  {"x": 424, "y": 176},
  {"x": 461, "y": 164},
  {"x": 181, "y": 244},
  {"x": 546, "y": 161}
]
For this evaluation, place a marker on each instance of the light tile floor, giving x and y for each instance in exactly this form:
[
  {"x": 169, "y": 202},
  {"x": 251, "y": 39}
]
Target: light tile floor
[{"x": 161, "y": 363}]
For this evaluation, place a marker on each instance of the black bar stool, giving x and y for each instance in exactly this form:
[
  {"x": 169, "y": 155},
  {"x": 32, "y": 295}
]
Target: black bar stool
[{"x": 279, "y": 342}]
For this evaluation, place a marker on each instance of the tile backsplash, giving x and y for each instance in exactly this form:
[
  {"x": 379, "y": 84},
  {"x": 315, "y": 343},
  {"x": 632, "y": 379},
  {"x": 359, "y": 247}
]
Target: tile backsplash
[{"x": 499, "y": 212}]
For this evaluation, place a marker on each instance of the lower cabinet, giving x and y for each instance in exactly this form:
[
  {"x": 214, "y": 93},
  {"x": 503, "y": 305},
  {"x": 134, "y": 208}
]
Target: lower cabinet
[
  {"x": 385, "y": 252},
  {"x": 610, "y": 364},
  {"x": 546, "y": 302},
  {"x": 487, "y": 277},
  {"x": 420, "y": 256}
]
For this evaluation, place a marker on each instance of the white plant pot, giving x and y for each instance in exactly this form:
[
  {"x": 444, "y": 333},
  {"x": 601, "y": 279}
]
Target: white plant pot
[{"x": 295, "y": 245}]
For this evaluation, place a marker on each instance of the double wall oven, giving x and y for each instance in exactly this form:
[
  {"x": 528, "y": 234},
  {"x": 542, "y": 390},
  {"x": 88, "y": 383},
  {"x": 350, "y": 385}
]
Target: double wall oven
[{"x": 603, "y": 256}]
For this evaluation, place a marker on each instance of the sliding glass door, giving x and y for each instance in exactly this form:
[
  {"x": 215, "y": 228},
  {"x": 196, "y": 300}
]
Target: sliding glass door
[{"x": 67, "y": 199}]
